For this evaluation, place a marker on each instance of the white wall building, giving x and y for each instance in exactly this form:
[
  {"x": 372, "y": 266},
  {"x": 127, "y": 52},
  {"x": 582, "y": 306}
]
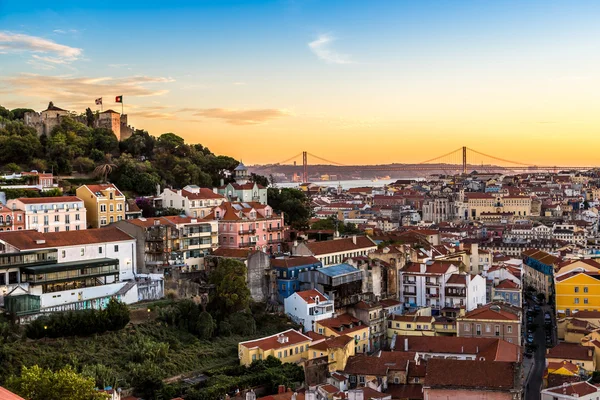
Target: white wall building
[
  {"x": 196, "y": 202},
  {"x": 424, "y": 284},
  {"x": 465, "y": 290},
  {"x": 52, "y": 214},
  {"x": 572, "y": 391},
  {"x": 308, "y": 306}
]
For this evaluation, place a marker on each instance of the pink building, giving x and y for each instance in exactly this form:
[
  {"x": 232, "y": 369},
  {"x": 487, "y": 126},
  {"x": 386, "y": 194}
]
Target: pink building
[
  {"x": 11, "y": 220},
  {"x": 249, "y": 225}
]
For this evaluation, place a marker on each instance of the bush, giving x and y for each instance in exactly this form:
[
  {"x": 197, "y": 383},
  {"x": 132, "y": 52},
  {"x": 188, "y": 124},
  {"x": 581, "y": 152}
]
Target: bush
[{"x": 80, "y": 323}]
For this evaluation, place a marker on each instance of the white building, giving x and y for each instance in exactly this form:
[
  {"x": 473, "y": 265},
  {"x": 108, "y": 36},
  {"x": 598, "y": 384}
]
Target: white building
[
  {"x": 465, "y": 290},
  {"x": 308, "y": 306},
  {"x": 424, "y": 284},
  {"x": 67, "y": 270},
  {"x": 196, "y": 202},
  {"x": 52, "y": 214},
  {"x": 571, "y": 391},
  {"x": 333, "y": 252}
]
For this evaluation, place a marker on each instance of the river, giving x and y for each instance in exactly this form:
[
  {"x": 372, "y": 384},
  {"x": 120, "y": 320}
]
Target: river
[{"x": 354, "y": 183}]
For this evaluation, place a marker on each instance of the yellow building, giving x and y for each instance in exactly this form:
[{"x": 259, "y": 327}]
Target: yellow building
[
  {"x": 583, "y": 356},
  {"x": 346, "y": 324},
  {"x": 479, "y": 203},
  {"x": 410, "y": 325},
  {"x": 564, "y": 369},
  {"x": 289, "y": 346},
  {"x": 577, "y": 291},
  {"x": 104, "y": 204},
  {"x": 337, "y": 350}
]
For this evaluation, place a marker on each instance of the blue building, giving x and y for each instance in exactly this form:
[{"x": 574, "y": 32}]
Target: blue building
[
  {"x": 342, "y": 283},
  {"x": 287, "y": 270}
]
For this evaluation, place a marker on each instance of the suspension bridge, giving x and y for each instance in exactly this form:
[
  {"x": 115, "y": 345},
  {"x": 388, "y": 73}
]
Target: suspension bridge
[{"x": 460, "y": 161}]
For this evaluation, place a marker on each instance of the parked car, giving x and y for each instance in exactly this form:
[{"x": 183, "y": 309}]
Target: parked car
[
  {"x": 536, "y": 308},
  {"x": 530, "y": 338}
]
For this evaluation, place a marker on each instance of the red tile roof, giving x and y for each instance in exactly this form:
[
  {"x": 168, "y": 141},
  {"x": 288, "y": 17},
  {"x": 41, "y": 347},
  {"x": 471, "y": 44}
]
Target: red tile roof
[
  {"x": 103, "y": 186},
  {"x": 332, "y": 343},
  {"x": 491, "y": 312},
  {"x": 309, "y": 295},
  {"x": 204, "y": 193},
  {"x": 507, "y": 284},
  {"x": 271, "y": 342},
  {"x": 46, "y": 200},
  {"x": 389, "y": 303},
  {"x": 571, "y": 351},
  {"x": 231, "y": 253},
  {"x": 342, "y": 321},
  {"x": 479, "y": 375},
  {"x": 587, "y": 314},
  {"x": 340, "y": 245},
  {"x": 6, "y": 394},
  {"x": 457, "y": 279},
  {"x": 29, "y": 240},
  {"x": 491, "y": 348},
  {"x": 290, "y": 262},
  {"x": 579, "y": 389}
]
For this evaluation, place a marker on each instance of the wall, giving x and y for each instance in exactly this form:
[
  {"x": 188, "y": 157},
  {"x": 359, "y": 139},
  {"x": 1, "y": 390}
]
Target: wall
[
  {"x": 76, "y": 295},
  {"x": 445, "y": 394},
  {"x": 258, "y": 278}
]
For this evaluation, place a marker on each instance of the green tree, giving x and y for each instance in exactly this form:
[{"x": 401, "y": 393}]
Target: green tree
[
  {"x": 293, "y": 203},
  {"x": 89, "y": 117},
  {"x": 259, "y": 179},
  {"x": 12, "y": 167},
  {"x": 36, "y": 383},
  {"x": 105, "y": 169},
  {"x": 19, "y": 113},
  {"x": 5, "y": 113},
  {"x": 231, "y": 292},
  {"x": 83, "y": 164}
]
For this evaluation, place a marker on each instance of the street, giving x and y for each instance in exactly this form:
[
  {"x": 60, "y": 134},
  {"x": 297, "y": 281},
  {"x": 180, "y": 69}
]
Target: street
[{"x": 534, "y": 386}]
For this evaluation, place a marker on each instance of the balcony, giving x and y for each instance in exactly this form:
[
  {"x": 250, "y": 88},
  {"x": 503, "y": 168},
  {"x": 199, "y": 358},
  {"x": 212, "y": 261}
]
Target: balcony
[
  {"x": 248, "y": 244},
  {"x": 247, "y": 231},
  {"x": 431, "y": 283},
  {"x": 434, "y": 295},
  {"x": 409, "y": 282},
  {"x": 274, "y": 228},
  {"x": 273, "y": 241}
]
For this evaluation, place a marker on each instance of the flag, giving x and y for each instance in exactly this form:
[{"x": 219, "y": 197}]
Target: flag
[
  {"x": 99, "y": 101},
  {"x": 119, "y": 99}
]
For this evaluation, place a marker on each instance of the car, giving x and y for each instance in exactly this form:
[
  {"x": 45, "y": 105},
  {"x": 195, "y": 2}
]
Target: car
[
  {"x": 536, "y": 308},
  {"x": 528, "y": 354},
  {"x": 530, "y": 338}
]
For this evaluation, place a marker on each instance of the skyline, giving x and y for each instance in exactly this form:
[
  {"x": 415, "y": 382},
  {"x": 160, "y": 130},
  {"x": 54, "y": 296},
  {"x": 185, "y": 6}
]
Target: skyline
[{"x": 262, "y": 81}]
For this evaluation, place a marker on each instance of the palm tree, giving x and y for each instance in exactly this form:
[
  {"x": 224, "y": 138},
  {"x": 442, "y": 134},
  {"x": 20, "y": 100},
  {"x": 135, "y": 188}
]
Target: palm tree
[{"x": 105, "y": 169}]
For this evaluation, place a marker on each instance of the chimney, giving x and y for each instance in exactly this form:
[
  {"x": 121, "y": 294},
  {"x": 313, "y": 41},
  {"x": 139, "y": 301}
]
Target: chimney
[
  {"x": 462, "y": 349},
  {"x": 221, "y": 182},
  {"x": 496, "y": 281},
  {"x": 354, "y": 239},
  {"x": 281, "y": 389},
  {"x": 405, "y": 344},
  {"x": 215, "y": 190},
  {"x": 251, "y": 395}
]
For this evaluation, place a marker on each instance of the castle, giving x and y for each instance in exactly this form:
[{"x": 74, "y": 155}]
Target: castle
[{"x": 45, "y": 121}]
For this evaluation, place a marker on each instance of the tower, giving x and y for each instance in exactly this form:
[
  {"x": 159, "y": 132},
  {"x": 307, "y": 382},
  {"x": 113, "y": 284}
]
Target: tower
[{"x": 240, "y": 174}]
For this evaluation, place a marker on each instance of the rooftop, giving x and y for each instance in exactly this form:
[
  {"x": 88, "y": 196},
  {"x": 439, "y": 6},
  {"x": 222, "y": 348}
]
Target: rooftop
[
  {"x": 338, "y": 270},
  {"x": 473, "y": 374},
  {"x": 29, "y": 240},
  {"x": 273, "y": 342},
  {"x": 340, "y": 245}
]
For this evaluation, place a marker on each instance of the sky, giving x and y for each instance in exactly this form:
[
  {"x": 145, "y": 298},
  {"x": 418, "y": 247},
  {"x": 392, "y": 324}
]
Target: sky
[{"x": 356, "y": 82}]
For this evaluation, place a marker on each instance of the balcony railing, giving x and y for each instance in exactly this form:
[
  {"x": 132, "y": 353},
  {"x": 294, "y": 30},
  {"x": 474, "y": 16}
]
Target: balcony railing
[
  {"x": 247, "y": 231},
  {"x": 273, "y": 241},
  {"x": 248, "y": 244},
  {"x": 274, "y": 228}
]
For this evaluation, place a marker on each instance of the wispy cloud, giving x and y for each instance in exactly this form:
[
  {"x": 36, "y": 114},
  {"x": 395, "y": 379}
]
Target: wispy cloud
[
  {"x": 56, "y": 53},
  {"x": 117, "y": 65},
  {"x": 321, "y": 47},
  {"x": 239, "y": 117},
  {"x": 65, "y": 31},
  {"x": 81, "y": 90}
]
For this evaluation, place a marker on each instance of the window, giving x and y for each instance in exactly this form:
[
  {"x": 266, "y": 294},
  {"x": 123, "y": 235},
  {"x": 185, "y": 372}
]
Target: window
[
  {"x": 279, "y": 355},
  {"x": 111, "y": 195},
  {"x": 112, "y": 219},
  {"x": 13, "y": 277},
  {"x": 82, "y": 252},
  {"x": 56, "y": 218},
  {"x": 585, "y": 300},
  {"x": 576, "y": 300},
  {"x": 576, "y": 289},
  {"x": 111, "y": 207},
  {"x": 361, "y": 379},
  {"x": 478, "y": 329},
  {"x": 2, "y": 279},
  {"x": 497, "y": 329},
  {"x": 56, "y": 229},
  {"x": 102, "y": 207},
  {"x": 63, "y": 254},
  {"x": 488, "y": 328},
  {"x": 116, "y": 248},
  {"x": 99, "y": 250},
  {"x": 467, "y": 327},
  {"x": 509, "y": 328},
  {"x": 585, "y": 289},
  {"x": 76, "y": 217},
  {"x": 119, "y": 207}
]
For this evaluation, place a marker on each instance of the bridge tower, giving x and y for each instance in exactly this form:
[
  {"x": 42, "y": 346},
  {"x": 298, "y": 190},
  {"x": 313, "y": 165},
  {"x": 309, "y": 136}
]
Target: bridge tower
[
  {"x": 304, "y": 167},
  {"x": 464, "y": 154}
]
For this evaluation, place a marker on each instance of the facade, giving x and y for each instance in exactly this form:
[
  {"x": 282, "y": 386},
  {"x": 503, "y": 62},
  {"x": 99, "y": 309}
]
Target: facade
[
  {"x": 287, "y": 270},
  {"x": 424, "y": 284},
  {"x": 249, "y": 225},
  {"x": 583, "y": 356},
  {"x": 164, "y": 243},
  {"x": 373, "y": 315},
  {"x": 538, "y": 271},
  {"x": 480, "y": 203},
  {"x": 437, "y": 210},
  {"x": 410, "y": 325},
  {"x": 196, "y": 202},
  {"x": 35, "y": 180},
  {"x": 493, "y": 320},
  {"x": 105, "y": 204},
  {"x": 341, "y": 283},
  {"x": 288, "y": 346},
  {"x": 307, "y": 307},
  {"x": 332, "y": 252},
  {"x": 465, "y": 290},
  {"x": 65, "y": 270},
  {"x": 51, "y": 214},
  {"x": 11, "y": 219},
  {"x": 245, "y": 192},
  {"x": 575, "y": 291},
  {"x": 569, "y": 391},
  {"x": 337, "y": 350}
]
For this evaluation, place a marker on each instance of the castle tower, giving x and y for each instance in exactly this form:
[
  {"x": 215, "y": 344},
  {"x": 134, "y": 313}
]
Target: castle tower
[{"x": 110, "y": 119}]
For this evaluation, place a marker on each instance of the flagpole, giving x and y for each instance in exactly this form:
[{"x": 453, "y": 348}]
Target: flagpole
[{"x": 121, "y": 105}]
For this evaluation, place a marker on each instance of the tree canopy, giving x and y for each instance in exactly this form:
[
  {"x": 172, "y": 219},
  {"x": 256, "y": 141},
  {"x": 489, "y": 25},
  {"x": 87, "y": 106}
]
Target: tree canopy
[
  {"x": 330, "y": 224},
  {"x": 231, "y": 292},
  {"x": 293, "y": 203}
]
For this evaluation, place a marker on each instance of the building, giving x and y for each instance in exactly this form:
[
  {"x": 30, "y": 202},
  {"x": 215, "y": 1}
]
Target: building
[
  {"x": 105, "y": 204},
  {"x": 71, "y": 270},
  {"x": 381, "y": 370},
  {"x": 410, "y": 325},
  {"x": 11, "y": 219},
  {"x": 346, "y": 324},
  {"x": 577, "y": 287},
  {"x": 51, "y": 214},
  {"x": 342, "y": 283},
  {"x": 32, "y": 180},
  {"x": 485, "y": 203},
  {"x": 288, "y": 346},
  {"x": 132, "y": 210},
  {"x": 196, "y": 202},
  {"x": 583, "y": 356},
  {"x": 493, "y": 320},
  {"x": 437, "y": 210},
  {"x": 372, "y": 314},
  {"x": 243, "y": 190},
  {"x": 568, "y": 391},
  {"x": 249, "y": 225},
  {"x": 337, "y": 350},
  {"x": 307, "y": 307},
  {"x": 164, "y": 243},
  {"x": 465, "y": 290},
  {"x": 472, "y": 379},
  {"x": 538, "y": 271},
  {"x": 424, "y": 284},
  {"x": 332, "y": 252},
  {"x": 287, "y": 270}
]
